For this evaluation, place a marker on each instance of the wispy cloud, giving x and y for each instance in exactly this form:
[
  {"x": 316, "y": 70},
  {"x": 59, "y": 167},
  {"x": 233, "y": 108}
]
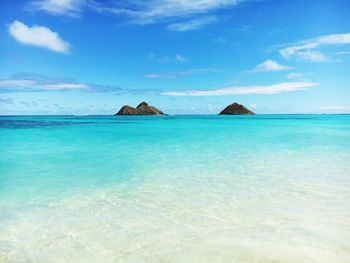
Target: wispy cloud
[
  {"x": 306, "y": 50},
  {"x": 25, "y": 103},
  {"x": 340, "y": 53},
  {"x": 294, "y": 75},
  {"x": 154, "y": 57},
  {"x": 192, "y": 24},
  {"x": 143, "y": 12},
  {"x": 39, "y": 36},
  {"x": 244, "y": 28},
  {"x": 177, "y": 74},
  {"x": 336, "y": 108},
  {"x": 220, "y": 40},
  {"x": 270, "y": 65},
  {"x": 27, "y": 83},
  {"x": 60, "y": 7},
  {"x": 164, "y": 59},
  {"x": 313, "y": 55},
  {"x": 6, "y": 100},
  {"x": 270, "y": 89},
  {"x": 180, "y": 58}
]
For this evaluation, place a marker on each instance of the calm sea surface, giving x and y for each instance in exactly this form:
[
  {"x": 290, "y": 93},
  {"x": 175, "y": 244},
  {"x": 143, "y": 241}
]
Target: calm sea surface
[{"x": 264, "y": 188}]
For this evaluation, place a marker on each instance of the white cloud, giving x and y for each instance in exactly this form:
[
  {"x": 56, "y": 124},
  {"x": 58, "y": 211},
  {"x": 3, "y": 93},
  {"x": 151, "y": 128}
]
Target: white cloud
[
  {"x": 270, "y": 89},
  {"x": 270, "y": 65},
  {"x": 193, "y": 24},
  {"x": 306, "y": 49},
  {"x": 39, "y": 36},
  {"x": 60, "y": 7},
  {"x": 66, "y": 86},
  {"x": 177, "y": 74}
]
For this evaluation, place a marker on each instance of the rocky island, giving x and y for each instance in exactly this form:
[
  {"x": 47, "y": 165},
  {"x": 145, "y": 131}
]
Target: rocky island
[
  {"x": 236, "y": 109},
  {"x": 142, "y": 109}
]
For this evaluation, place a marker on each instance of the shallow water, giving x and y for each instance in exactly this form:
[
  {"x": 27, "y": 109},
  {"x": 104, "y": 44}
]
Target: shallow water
[{"x": 264, "y": 188}]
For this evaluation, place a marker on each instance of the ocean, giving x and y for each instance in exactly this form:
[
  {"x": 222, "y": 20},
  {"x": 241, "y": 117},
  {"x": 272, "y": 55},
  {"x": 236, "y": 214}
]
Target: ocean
[{"x": 262, "y": 188}]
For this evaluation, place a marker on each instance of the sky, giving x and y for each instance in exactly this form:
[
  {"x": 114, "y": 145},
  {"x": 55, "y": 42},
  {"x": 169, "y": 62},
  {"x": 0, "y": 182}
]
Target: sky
[{"x": 87, "y": 57}]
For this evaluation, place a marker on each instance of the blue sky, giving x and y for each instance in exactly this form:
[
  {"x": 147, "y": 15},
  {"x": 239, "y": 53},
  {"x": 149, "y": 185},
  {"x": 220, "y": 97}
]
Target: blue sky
[{"x": 185, "y": 57}]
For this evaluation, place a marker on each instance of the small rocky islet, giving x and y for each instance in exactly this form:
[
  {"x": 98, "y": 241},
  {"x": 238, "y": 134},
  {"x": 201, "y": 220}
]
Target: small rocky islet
[
  {"x": 236, "y": 109},
  {"x": 144, "y": 109}
]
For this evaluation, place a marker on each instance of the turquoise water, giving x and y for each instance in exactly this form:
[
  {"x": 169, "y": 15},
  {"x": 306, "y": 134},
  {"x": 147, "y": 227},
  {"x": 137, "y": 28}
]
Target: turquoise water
[{"x": 264, "y": 188}]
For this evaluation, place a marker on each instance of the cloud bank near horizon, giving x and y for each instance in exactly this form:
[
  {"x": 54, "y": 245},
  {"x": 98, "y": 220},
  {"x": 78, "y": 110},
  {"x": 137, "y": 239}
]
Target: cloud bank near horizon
[
  {"x": 44, "y": 84},
  {"x": 247, "y": 90}
]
